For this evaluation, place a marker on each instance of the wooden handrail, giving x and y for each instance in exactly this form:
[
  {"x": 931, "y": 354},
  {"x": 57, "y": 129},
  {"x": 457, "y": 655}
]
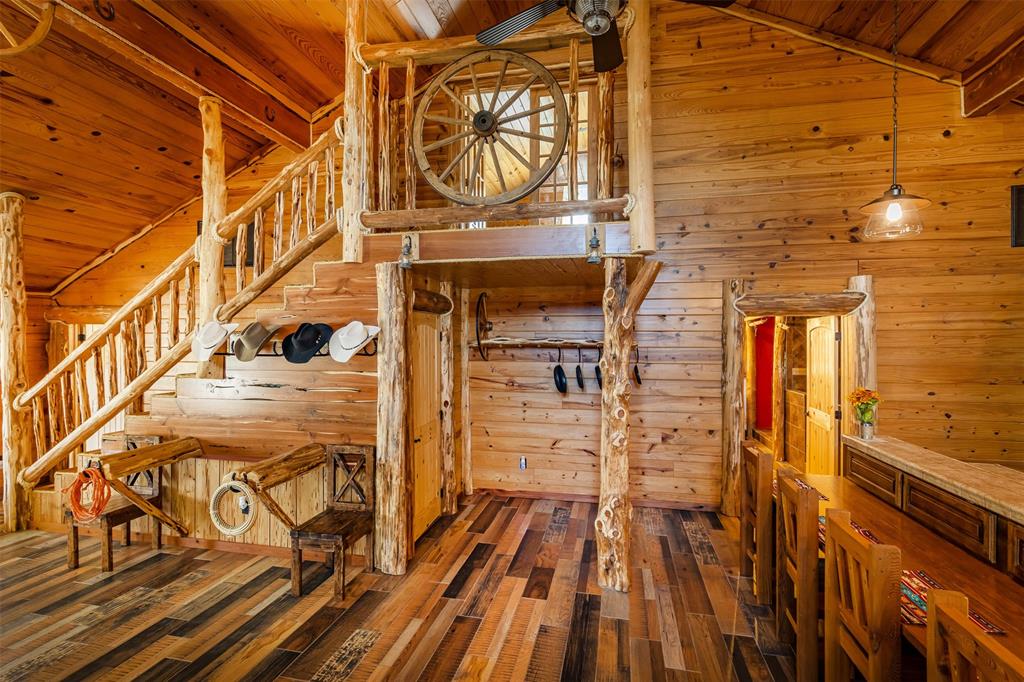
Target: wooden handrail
[{"x": 143, "y": 297}]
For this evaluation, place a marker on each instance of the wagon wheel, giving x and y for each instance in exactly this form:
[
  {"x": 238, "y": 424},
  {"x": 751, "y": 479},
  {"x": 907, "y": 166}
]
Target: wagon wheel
[
  {"x": 38, "y": 35},
  {"x": 483, "y": 126},
  {"x": 483, "y": 325}
]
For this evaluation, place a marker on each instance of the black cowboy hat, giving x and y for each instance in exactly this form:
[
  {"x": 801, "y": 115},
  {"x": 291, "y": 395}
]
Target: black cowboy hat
[{"x": 305, "y": 342}]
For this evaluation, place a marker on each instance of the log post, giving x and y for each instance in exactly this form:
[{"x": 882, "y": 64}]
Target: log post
[
  {"x": 732, "y": 395},
  {"x": 465, "y": 414},
  {"x": 779, "y": 389},
  {"x": 211, "y": 248},
  {"x": 17, "y": 426},
  {"x": 614, "y": 510},
  {"x": 857, "y": 349},
  {"x": 749, "y": 379},
  {"x": 391, "y": 514},
  {"x": 605, "y": 133},
  {"x": 638, "y": 115},
  {"x": 353, "y": 167},
  {"x": 450, "y": 501}
]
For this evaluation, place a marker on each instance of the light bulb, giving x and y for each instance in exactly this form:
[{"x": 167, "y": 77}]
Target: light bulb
[{"x": 893, "y": 212}]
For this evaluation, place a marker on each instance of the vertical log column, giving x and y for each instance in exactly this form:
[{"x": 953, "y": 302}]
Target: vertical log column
[
  {"x": 464, "y": 412},
  {"x": 450, "y": 503},
  {"x": 779, "y": 389},
  {"x": 614, "y": 510},
  {"x": 211, "y": 246},
  {"x": 391, "y": 515},
  {"x": 733, "y": 419},
  {"x": 638, "y": 114},
  {"x": 858, "y": 356},
  {"x": 605, "y": 133},
  {"x": 17, "y": 426},
  {"x": 353, "y": 160}
]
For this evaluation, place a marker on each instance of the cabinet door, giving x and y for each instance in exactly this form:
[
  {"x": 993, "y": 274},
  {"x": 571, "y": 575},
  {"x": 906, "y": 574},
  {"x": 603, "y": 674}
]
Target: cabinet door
[
  {"x": 425, "y": 410},
  {"x": 822, "y": 395}
]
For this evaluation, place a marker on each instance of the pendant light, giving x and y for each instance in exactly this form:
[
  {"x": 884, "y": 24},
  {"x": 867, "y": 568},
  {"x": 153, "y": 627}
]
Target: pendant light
[{"x": 896, "y": 213}]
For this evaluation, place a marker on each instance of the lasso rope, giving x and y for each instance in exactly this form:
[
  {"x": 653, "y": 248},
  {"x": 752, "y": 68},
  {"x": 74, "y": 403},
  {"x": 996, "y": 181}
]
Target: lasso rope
[
  {"x": 90, "y": 476},
  {"x": 247, "y": 505}
]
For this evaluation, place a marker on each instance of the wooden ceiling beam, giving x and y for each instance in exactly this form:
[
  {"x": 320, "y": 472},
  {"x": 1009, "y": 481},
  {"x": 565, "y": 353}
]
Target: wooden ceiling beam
[
  {"x": 134, "y": 34},
  {"x": 994, "y": 83},
  {"x": 842, "y": 43}
]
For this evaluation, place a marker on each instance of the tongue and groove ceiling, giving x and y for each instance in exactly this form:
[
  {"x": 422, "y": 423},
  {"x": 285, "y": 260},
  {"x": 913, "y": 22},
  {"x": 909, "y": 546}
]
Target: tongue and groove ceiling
[{"x": 104, "y": 141}]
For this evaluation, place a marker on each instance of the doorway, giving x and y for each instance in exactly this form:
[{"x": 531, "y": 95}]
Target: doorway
[
  {"x": 425, "y": 374},
  {"x": 823, "y": 402}
]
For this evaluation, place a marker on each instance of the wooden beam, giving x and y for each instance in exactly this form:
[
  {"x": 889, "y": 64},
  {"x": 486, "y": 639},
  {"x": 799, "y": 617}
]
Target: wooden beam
[
  {"x": 273, "y": 471},
  {"x": 779, "y": 389},
  {"x": 80, "y": 314},
  {"x": 639, "y": 288},
  {"x": 999, "y": 82},
  {"x": 391, "y": 514},
  {"x": 431, "y": 302},
  {"x": 732, "y": 395},
  {"x": 127, "y": 462},
  {"x": 800, "y": 304},
  {"x": 133, "y": 33},
  {"x": 843, "y": 44},
  {"x": 642, "y": 237},
  {"x": 146, "y": 506},
  {"x": 858, "y": 355},
  {"x": 16, "y": 429},
  {"x": 450, "y": 501},
  {"x": 211, "y": 248},
  {"x": 420, "y": 217},
  {"x": 353, "y": 160}
]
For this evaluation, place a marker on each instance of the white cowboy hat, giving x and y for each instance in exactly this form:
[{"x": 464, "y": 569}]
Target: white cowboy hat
[
  {"x": 348, "y": 340},
  {"x": 210, "y": 337}
]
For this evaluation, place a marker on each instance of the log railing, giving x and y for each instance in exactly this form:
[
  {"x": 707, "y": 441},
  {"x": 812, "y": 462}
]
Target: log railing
[{"x": 111, "y": 370}]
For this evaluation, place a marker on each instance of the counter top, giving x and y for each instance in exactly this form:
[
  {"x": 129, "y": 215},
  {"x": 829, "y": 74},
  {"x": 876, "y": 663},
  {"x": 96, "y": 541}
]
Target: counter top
[{"x": 999, "y": 492}]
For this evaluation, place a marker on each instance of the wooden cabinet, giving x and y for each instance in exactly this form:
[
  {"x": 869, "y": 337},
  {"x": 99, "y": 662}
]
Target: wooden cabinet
[
  {"x": 952, "y": 517},
  {"x": 879, "y": 479},
  {"x": 1015, "y": 550}
]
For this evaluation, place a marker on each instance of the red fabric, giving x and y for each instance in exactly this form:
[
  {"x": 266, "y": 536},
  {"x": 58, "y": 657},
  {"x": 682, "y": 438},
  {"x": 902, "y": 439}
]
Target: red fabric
[{"x": 764, "y": 341}]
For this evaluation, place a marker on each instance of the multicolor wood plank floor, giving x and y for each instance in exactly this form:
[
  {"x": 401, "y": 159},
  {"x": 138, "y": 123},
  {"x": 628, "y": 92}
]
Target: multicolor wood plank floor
[{"x": 506, "y": 590}]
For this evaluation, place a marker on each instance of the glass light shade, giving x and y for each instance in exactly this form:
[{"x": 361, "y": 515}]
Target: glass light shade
[{"x": 893, "y": 215}]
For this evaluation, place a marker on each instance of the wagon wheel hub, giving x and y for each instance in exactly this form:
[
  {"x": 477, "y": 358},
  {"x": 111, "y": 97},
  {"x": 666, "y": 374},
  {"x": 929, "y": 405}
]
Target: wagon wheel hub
[{"x": 485, "y": 123}]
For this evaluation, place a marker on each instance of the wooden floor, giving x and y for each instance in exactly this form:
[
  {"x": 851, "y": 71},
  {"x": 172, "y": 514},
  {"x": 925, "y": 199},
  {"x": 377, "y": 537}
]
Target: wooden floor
[{"x": 506, "y": 590}]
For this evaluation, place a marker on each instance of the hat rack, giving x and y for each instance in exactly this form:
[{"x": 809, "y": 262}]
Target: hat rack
[{"x": 276, "y": 352}]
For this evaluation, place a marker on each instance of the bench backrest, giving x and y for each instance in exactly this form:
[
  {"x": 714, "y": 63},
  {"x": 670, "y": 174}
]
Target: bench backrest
[{"x": 350, "y": 476}]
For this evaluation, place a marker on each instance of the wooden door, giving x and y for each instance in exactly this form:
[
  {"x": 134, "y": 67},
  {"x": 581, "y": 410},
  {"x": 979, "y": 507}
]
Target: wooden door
[
  {"x": 425, "y": 403},
  {"x": 822, "y": 395}
]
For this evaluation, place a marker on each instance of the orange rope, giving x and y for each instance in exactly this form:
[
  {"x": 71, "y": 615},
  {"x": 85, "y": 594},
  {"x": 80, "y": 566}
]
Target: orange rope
[{"x": 100, "y": 495}]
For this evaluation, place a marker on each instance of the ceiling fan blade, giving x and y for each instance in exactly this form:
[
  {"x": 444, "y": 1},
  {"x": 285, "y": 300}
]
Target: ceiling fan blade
[
  {"x": 710, "y": 3},
  {"x": 513, "y": 25},
  {"x": 607, "y": 49}
]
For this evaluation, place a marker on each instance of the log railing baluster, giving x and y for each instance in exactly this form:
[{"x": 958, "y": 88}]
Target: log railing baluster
[
  {"x": 393, "y": 152},
  {"x": 112, "y": 370},
  {"x": 68, "y": 402},
  {"x": 82, "y": 391},
  {"x": 173, "y": 319},
  {"x": 330, "y": 179},
  {"x": 278, "y": 226},
  {"x": 311, "y": 222},
  {"x": 97, "y": 372},
  {"x": 240, "y": 256},
  {"x": 410, "y": 162},
  {"x": 383, "y": 137},
  {"x": 257, "y": 243},
  {"x": 158, "y": 332},
  {"x": 191, "y": 284},
  {"x": 39, "y": 425},
  {"x": 296, "y": 216},
  {"x": 139, "y": 331},
  {"x": 53, "y": 413},
  {"x": 572, "y": 176}
]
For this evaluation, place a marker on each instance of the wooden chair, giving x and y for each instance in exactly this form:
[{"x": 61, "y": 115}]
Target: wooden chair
[
  {"x": 348, "y": 518},
  {"x": 756, "y": 519},
  {"x": 796, "y": 579},
  {"x": 862, "y": 604},
  {"x": 959, "y": 650},
  {"x": 120, "y": 511}
]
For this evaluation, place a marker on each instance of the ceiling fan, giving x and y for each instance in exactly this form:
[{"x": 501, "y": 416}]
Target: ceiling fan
[{"x": 596, "y": 16}]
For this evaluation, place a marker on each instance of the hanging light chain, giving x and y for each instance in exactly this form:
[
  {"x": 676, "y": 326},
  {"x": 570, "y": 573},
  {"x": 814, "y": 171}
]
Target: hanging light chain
[{"x": 895, "y": 81}]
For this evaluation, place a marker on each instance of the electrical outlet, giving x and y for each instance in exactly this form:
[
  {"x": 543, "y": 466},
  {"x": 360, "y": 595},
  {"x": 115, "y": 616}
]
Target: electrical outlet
[{"x": 522, "y": 463}]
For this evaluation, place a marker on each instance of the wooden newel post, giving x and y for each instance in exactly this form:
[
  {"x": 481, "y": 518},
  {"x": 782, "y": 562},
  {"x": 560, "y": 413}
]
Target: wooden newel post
[
  {"x": 211, "y": 246},
  {"x": 450, "y": 503},
  {"x": 614, "y": 511},
  {"x": 640, "y": 147},
  {"x": 733, "y": 421},
  {"x": 858, "y": 357},
  {"x": 391, "y": 514},
  {"x": 353, "y": 160},
  {"x": 17, "y": 426}
]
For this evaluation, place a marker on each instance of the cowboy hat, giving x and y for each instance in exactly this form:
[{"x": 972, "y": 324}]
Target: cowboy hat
[
  {"x": 209, "y": 338},
  {"x": 305, "y": 342},
  {"x": 348, "y": 340},
  {"x": 252, "y": 338}
]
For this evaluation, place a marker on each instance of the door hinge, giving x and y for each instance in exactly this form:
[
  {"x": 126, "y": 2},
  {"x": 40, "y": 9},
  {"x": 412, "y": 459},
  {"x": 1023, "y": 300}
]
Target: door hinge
[
  {"x": 440, "y": 492},
  {"x": 839, "y": 414},
  {"x": 839, "y": 336}
]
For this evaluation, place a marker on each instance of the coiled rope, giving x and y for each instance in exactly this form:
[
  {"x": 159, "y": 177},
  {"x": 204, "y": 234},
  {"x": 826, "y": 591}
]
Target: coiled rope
[
  {"x": 90, "y": 476},
  {"x": 246, "y": 503}
]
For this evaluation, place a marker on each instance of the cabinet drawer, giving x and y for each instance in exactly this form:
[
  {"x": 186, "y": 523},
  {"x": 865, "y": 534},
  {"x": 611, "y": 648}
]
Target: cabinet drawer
[
  {"x": 953, "y": 518},
  {"x": 1015, "y": 550},
  {"x": 878, "y": 478}
]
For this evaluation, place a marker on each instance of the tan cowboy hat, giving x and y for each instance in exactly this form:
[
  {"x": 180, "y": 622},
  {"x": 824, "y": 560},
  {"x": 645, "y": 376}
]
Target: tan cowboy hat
[
  {"x": 210, "y": 337},
  {"x": 251, "y": 340}
]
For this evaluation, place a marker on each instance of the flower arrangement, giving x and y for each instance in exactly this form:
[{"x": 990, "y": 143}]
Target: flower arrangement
[{"x": 865, "y": 403}]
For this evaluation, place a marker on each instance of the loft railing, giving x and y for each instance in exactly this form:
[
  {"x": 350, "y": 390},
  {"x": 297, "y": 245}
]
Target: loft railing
[{"x": 301, "y": 215}]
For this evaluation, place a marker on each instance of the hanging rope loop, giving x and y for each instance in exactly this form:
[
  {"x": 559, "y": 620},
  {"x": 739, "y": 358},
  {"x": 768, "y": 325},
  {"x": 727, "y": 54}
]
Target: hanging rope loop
[
  {"x": 88, "y": 477},
  {"x": 246, "y": 504}
]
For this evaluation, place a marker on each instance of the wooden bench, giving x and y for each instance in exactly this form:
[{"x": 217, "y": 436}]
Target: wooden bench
[
  {"x": 348, "y": 518},
  {"x": 120, "y": 511}
]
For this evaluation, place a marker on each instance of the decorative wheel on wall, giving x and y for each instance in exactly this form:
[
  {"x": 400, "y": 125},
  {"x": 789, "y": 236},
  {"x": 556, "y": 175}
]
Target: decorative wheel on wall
[{"x": 507, "y": 134}]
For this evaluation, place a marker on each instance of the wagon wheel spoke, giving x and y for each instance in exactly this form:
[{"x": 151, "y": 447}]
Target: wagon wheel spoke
[
  {"x": 525, "y": 133},
  {"x": 519, "y": 157},
  {"x": 448, "y": 120},
  {"x": 497, "y": 85},
  {"x": 455, "y": 162},
  {"x": 455, "y": 98},
  {"x": 475, "y": 170},
  {"x": 448, "y": 140},
  {"x": 519, "y": 93},
  {"x": 497, "y": 165},
  {"x": 528, "y": 112},
  {"x": 476, "y": 88},
  {"x": 11, "y": 40}
]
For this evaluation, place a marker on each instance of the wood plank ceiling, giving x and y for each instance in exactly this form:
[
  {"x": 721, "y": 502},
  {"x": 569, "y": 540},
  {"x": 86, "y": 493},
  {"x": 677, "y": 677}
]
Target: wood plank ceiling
[{"x": 103, "y": 145}]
